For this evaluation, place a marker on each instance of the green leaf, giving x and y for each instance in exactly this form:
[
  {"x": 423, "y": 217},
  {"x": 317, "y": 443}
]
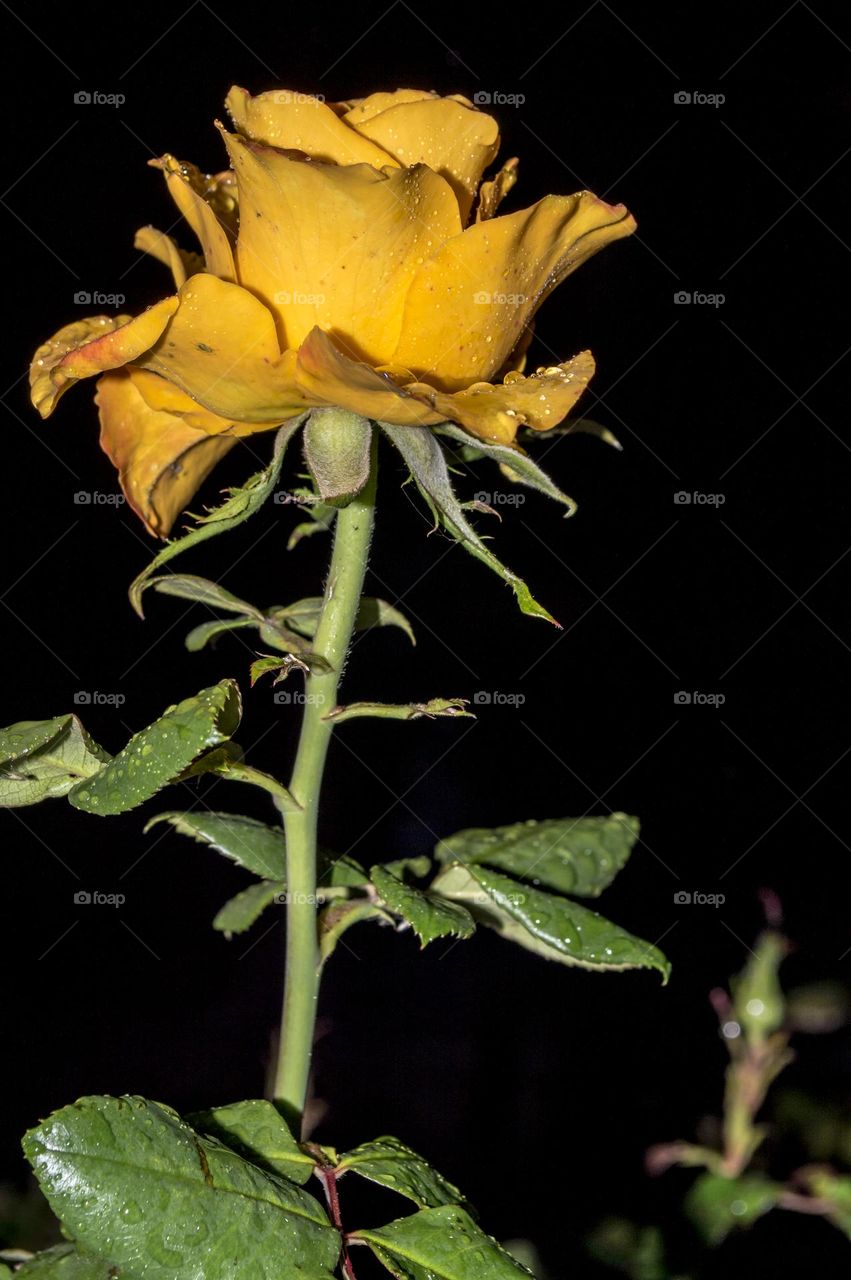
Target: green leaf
[
  {"x": 303, "y": 616},
  {"x": 552, "y": 927},
  {"x": 336, "y": 919},
  {"x": 45, "y": 759},
  {"x": 188, "y": 586},
  {"x": 429, "y": 916},
  {"x": 339, "y": 871},
  {"x": 129, "y": 1179},
  {"x": 576, "y": 426},
  {"x": 450, "y": 707},
  {"x": 403, "y": 867},
  {"x": 321, "y": 518},
  {"x": 834, "y": 1190},
  {"x": 239, "y": 913},
  {"x": 337, "y": 448},
  {"x": 159, "y": 754},
  {"x": 571, "y": 855},
  {"x": 439, "y": 1244},
  {"x": 521, "y": 468},
  {"x": 201, "y": 635},
  {"x": 241, "y": 503},
  {"x": 390, "y": 1163},
  {"x": 256, "y": 1130},
  {"x": 64, "y": 1262},
  {"x": 233, "y": 769},
  {"x": 427, "y": 463},
  {"x": 254, "y": 845},
  {"x": 717, "y": 1205}
]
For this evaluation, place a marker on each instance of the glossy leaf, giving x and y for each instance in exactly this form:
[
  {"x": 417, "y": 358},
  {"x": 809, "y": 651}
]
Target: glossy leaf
[
  {"x": 45, "y": 759},
  {"x": 429, "y": 916},
  {"x": 64, "y": 1262},
  {"x": 241, "y": 503},
  {"x": 390, "y": 1163},
  {"x": 717, "y": 1205},
  {"x": 127, "y": 1177},
  {"x": 159, "y": 754},
  {"x": 440, "y": 1244},
  {"x": 427, "y": 463},
  {"x": 571, "y": 855},
  {"x": 522, "y": 469},
  {"x": 553, "y": 927},
  {"x": 449, "y": 707},
  {"x": 257, "y": 1131},
  {"x": 254, "y": 845},
  {"x": 240, "y": 912}
]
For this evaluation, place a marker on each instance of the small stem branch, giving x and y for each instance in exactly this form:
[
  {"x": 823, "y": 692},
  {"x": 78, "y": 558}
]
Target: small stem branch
[
  {"x": 352, "y": 536},
  {"x": 328, "y": 1178}
]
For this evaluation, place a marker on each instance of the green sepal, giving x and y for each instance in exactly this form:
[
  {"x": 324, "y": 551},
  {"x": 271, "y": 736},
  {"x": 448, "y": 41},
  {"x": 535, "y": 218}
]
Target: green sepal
[
  {"x": 389, "y": 1163},
  {"x": 256, "y": 1130},
  {"x": 440, "y": 1244},
  {"x": 429, "y": 916},
  {"x": 254, "y": 845},
  {"x": 515, "y": 465},
  {"x": 46, "y": 759},
  {"x": 570, "y": 855}
]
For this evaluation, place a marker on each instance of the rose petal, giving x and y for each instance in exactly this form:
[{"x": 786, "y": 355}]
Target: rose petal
[
  {"x": 162, "y": 247},
  {"x": 296, "y": 121},
  {"x": 195, "y": 197}
]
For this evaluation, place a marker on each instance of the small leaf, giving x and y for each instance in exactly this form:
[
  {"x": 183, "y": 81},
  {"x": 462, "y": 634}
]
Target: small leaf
[
  {"x": 337, "y": 446},
  {"x": 340, "y": 872},
  {"x": 257, "y": 1131},
  {"x": 129, "y": 1179},
  {"x": 402, "y": 867},
  {"x": 188, "y": 586},
  {"x": 429, "y": 916},
  {"x": 337, "y": 918},
  {"x": 45, "y": 759},
  {"x": 834, "y": 1190},
  {"x": 159, "y": 754},
  {"x": 555, "y": 928},
  {"x": 440, "y": 1244},
  {"x": 717, "y": 1205},
  {"x": 303, "y": 616},
  {"x": 450, "y": 707},
  {"x": 269, "y": 663},
  {"x": 571, "y": 855},
  {"x": 64, "y": 1262},
  {"x": 519, "y": 466},
  {"x": 201, "y": 635},
  {"x": 233, "y": 769},
  {"x": 427, "y": 463},
  {"x": 321, "y": 514},
  {"x": 240, "y": 913},
  {"x": 241, "y": 503},
  {"x": 390, "y": 1163},
  {"x": 254, "y": 845},
  {"x": 578, "y": 426}
]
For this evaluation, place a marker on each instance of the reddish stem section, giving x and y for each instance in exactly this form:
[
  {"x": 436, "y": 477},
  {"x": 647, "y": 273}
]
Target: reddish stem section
[{"x": 328, "y": 1178}]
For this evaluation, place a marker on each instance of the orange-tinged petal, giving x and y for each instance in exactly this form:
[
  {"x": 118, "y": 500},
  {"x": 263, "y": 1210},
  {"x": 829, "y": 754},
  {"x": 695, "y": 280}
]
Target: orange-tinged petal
[
  {"x": 162, "y": 247},
  {"x": 161, "y": 460},
  {"x": 296, "y": 121},
  {"x": 221, "y": 349},
  {"x": 336, "y": 246},
  {"x": 205, "y": 204},
  {"x": 469, "y": 304},
  {"x": 87, "y": 347},
  {"x": 492, "y": 193},
  {"x": 457, "y": 141}
]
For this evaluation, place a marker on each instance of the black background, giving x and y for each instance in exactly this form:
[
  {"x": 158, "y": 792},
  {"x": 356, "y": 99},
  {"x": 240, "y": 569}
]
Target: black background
[{"x": 536, "y": 1088}]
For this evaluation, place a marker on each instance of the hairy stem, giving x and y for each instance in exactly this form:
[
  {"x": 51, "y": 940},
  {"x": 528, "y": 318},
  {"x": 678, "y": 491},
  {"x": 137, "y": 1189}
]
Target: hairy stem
[{"x": 353, "y": 530}]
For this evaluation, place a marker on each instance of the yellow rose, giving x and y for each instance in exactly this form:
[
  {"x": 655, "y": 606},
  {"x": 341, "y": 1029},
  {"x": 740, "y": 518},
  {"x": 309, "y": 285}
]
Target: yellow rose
[{"x": 351, "y": 258}]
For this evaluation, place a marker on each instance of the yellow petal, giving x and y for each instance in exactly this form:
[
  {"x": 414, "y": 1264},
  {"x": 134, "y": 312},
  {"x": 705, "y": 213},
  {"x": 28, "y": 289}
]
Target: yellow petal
[
  {"x": 457, "y": 141},
  {"x": 207, "y": 205},
  {"x": 469, "y": 304},
  {"x": 161, "y": 460},
  {"x": 329, "y": 377},
  {"x": 492, "y": 193},
  {"x": 336, "y": 246},
  {"x": 221, "y": 349},
  {"x": 358, "y": 110},
  {"x": 296, "y": 121},
  {"x": 88, "y": 347},
  {"x": 165, "y": 250}
]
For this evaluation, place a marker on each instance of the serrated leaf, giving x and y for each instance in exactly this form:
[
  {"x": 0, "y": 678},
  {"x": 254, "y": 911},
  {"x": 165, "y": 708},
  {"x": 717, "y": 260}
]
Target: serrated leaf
[
  {"x": 555, "y": 928},
  {"x": 388, "y": 1162},
  {"x": 427, "y": 463},
  {"x": 64, "y": 1262},
  {"x": 240, "y": 912},
  {"x": 451, "y": 708},
  {"x": 201, "y": 635},
  {"x": 717, "y": 1205},
  {"x": 188, "y": 586},
  {"x": 45, "y": 759},
  {"x": 440, "y": 1244},
  {"x": 521, "y": 468},
  {"x": 241, "y": 503},
  {"x": 429, "y": 916},
  {"x": 254, "y": 845},
  {"x": 159, "y": 754},
  {"x": 257, "y": 1131},
  {"x": 128, "y": 1177},
  {"x": 571, "y": 855}
]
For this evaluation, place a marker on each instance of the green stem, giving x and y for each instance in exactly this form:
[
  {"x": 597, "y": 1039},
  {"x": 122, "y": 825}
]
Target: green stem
[{"x": 353, "y": 530}]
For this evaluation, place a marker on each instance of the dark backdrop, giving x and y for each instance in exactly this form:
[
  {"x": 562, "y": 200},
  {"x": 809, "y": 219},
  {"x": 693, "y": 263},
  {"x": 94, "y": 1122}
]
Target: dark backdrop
[{"x": 535, "y": 1087}]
